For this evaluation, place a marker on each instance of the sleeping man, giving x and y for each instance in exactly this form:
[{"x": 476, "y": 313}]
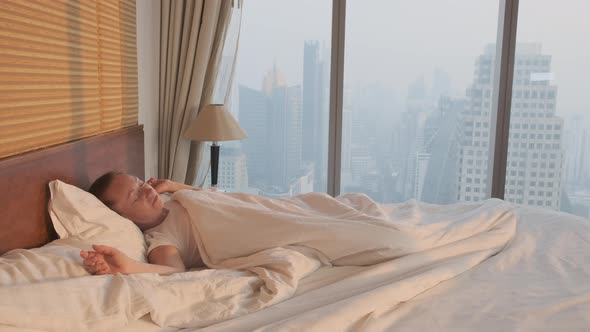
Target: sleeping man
[
  {"x": 167, "y": 230},
  {"x": 238, "y": 230}
]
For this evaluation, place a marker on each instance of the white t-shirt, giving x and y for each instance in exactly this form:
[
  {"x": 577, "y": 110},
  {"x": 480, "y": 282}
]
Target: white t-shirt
[{"x": 176, "y": 230}]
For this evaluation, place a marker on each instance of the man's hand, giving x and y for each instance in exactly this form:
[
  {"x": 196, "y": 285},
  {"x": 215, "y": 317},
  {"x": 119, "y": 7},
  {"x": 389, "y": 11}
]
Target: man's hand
[
  {"x": 163, "y": 186},
  {"x": 106, "y": 260},
  {"x": 167, "y": 186}
]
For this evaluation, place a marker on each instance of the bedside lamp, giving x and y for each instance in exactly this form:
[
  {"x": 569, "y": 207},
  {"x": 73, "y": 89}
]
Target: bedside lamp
[{"x": 215, "y": 124}]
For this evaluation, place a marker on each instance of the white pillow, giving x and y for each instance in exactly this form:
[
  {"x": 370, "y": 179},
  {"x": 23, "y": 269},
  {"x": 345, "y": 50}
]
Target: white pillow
[
  {"x": 80, "y": 220},
  {"x": 54, "y": 261},
  {"x": 84, "y": 220}
]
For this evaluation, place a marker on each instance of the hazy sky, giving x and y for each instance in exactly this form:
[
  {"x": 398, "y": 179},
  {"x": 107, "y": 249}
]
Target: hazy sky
[{"x": 395, "y": 42}]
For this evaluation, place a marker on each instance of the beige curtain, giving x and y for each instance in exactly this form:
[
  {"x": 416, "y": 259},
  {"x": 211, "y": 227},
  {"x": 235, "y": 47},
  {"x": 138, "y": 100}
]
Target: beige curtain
[
  {"x": 192, "y": 36},
  {"x": 222, "y": 89}
]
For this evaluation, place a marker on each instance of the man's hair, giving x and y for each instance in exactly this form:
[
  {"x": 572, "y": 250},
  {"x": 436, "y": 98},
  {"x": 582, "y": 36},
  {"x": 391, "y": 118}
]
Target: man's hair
[{"x": 100, "y": 186}]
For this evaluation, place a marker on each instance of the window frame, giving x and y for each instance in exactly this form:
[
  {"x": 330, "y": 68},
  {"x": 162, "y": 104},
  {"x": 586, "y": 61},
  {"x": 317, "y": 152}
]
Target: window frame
[{"x": 502, "y": 96}]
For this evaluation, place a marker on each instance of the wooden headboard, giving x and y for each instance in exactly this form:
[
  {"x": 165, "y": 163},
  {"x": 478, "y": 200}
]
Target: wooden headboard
[{"x": 24, "y": 220}]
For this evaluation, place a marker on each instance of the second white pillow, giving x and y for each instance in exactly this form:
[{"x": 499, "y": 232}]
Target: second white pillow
[{"x": 78, "y": 215}]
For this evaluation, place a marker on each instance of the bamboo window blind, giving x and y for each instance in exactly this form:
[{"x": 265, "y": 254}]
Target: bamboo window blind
[{"x": 68, "y": 70}]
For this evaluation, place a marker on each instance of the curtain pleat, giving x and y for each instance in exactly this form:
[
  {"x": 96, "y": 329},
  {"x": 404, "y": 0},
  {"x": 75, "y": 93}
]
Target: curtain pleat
[
  {"x": 191, "y": 37},
  {"x": 164, "y": 89},
  {"x": 196, "y": 171}
]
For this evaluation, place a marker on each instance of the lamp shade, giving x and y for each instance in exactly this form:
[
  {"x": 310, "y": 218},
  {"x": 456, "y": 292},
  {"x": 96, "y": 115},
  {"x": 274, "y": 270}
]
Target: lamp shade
[{"x": 214, "y": 123}]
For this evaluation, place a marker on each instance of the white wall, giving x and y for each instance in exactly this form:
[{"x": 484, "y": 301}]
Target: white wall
[{"x": 148, "y": 76}]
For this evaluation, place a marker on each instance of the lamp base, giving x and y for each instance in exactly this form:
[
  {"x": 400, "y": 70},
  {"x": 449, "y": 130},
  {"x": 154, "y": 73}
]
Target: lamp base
[{"x": 214, "y": 163}]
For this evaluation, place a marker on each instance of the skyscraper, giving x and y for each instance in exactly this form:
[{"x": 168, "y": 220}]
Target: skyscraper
[
  {"x": 476, "y": 119},
  {"x": 577, "y": 163},
  {"x": 535, "y": 152},
  {"x": 272, "y": 117},
  {"x": 284, "y": 140},
  {"x": 442, "y": 146},
  {"x": 418, "y": 109},
  {"x": 254, "y": 113},
  {"x": 346, "y": 168},
  {"x": 577, "y": 166},
  {"x": 314, "y": 134}
]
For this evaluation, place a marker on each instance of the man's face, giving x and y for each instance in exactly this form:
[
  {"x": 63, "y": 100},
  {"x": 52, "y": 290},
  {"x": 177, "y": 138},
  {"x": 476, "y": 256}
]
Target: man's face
[{"x": 134, "y": 200}]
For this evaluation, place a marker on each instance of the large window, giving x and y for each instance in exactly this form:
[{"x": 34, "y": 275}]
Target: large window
[
  {"x": 418, "y": 99},
  {"x": 549, "y": 147},
  {"x": 281, "y": 98},
  {"x": 416, "y": 96}
]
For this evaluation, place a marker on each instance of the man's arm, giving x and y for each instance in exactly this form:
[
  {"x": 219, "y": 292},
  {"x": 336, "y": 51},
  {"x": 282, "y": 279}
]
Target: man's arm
[
  {"x": 108, "y": 260},
  {"x": 168, "y": 186},
  {"x": 167, "y": 257}
]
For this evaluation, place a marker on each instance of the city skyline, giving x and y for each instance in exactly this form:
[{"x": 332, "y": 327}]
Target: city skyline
[
  {"x": 379, "y": 48},
  {"x": 423, "y": 154}
]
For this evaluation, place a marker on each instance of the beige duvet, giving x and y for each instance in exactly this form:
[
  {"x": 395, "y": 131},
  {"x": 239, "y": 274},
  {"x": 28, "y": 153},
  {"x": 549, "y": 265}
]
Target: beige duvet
[{"x": 259, "y": 249}]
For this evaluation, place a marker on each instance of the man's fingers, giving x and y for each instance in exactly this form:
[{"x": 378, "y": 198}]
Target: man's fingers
[
  {"x": 92, "y": 260},
  {"x": 87, "y": 254},
  {"x": 105, "y": 250},
  {"x": 90, "y": 269},
  {"x": 100, "y": 268},
  {"x": 155, "y": 182},
  {"x": 160, "y": 188},
  {"x": 89, "y": 260},
  {"x": 89, "y": 263}
]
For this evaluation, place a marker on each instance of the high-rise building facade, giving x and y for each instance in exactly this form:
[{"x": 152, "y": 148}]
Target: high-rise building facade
[
  {"x": 314, "y": 134},
  {"x": 476, "y": 119},
  {"x": 577, "y": 163},
  {"x": 418, "y": 109},
  {"x": 272, "y": 118},
  {"x": 535, "y": 152},
  {"x": 254, "y": 111},
  {"x": 441, "y": 151},
  {"x": 284, "y": 140},
  {"x": 346, "y": 157}
]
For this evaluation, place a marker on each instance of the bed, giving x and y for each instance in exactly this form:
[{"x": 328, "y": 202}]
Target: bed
[{"x": 539, "y": 280}]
